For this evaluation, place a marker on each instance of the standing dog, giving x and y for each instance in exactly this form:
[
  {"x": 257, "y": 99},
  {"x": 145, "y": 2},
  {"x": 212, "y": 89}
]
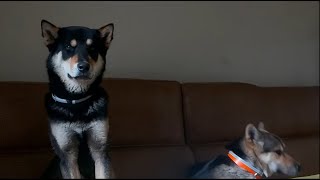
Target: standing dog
[
  {"x": 76, "y": 104},
  {"x": 258, "y": 154}
]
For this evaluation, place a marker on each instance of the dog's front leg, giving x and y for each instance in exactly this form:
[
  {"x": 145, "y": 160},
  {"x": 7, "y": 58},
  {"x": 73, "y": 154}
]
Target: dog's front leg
[
  {"x": 97, "y": 141},
  {"x": 65, "y": 144},
  {"x": 69, "y": 166}
]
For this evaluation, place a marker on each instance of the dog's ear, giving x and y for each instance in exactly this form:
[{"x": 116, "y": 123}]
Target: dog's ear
[
  {"x": 49, "y": 32},
  {"x": 252, "y": 134},
  {"x": 106, "y": 34},
  {"x": 261, "y": 126}
]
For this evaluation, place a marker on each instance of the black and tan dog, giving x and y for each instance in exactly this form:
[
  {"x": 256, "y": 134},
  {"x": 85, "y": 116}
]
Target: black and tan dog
[
  {"x": 258, "y": 154},
  {"x": 76, "y": 104}
]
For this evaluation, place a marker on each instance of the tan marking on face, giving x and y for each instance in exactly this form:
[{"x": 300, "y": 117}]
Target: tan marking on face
[
  {"x": 287, "y": 160},
  {"x": 253, "y": 151},
  {"x": 73, "y": 43},
  {"x": 73, "y": 61},
  {"x": 283, "y": 162},
  {"x": 287, "y": 165},
  {"x": 91, "y": 62},
  {"x": 89, "y": 42}
]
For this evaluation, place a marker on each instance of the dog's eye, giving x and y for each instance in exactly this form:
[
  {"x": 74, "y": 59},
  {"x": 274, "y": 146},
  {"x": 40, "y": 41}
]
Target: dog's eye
[
  {"x": 278, "y": 152},
  {"x": 68, "y": 47}
]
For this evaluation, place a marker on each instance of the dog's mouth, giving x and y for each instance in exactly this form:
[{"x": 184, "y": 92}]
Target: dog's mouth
[{"x": 80, "y": 77}]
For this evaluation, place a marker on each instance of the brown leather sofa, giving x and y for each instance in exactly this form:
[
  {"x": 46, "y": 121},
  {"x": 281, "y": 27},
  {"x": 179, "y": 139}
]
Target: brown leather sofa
[{"x": 159, "y": 129}]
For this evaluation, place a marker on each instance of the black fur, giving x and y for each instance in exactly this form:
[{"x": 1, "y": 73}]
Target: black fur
[
  {"x": 77, "y": 112},
  {"x": 91, "y": 110},
  {"x": 65, "y": 35},
  {"x": 220, "y": 159}
]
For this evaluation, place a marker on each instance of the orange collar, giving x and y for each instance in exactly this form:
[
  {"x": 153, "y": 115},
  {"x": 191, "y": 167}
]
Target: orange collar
[{"x": 245, "y": 165}]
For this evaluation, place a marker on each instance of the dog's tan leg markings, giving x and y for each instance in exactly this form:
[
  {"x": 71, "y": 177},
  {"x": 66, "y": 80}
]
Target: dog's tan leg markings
[
  {"x": 74, "y": 172},
  {"x": 68, "y": 144},
  {"x": 99, "y": 170},
  {"x": 97, "y": 139}
]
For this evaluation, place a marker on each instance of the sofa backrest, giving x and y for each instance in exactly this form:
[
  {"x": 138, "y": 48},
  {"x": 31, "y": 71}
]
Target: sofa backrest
[
  {"x": 216, "y": 112},
  {"x": 23, "y": 119},
  {"x": 141, "y": 112},
  {"x": 145, "y": 112},
  {"x": 152, "y": 112},
  {"x": 291, "y": 111}
]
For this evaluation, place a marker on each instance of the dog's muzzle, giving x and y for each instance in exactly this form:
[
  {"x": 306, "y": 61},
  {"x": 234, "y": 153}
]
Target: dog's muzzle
[
  {"x": 81, "y": 71},
  {"x": 83, "y": 67}
]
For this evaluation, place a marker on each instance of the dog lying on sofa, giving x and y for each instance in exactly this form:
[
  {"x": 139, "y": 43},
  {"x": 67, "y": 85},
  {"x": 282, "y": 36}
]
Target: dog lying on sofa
[{"x": 258, "y": 154}]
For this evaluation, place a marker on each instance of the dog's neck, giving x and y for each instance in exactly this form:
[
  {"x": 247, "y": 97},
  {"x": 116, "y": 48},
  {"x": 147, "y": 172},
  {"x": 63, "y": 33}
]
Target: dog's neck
[
  {"x": 245, "y": 165},
  {"x": 239, "y": 148}
]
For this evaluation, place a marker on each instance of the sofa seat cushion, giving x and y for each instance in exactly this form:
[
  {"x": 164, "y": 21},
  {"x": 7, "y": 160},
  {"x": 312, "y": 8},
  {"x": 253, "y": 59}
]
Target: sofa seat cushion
[
  {"x": 24, "y": 164},
  {"x": 152, "y": 162},
  {"x": 142, "y": 162}
]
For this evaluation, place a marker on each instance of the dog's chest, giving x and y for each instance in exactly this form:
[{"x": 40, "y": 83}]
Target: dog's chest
[
  {"x": 230, "y": 172},
  {"x": 82, "y": 112},
  {"x": 75, "y": 126},
  {"x": 63, "y": 130}
]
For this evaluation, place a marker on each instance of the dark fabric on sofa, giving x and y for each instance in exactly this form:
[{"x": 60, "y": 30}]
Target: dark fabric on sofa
[
  {"x": 159, "y": 129},
  {"x": 150, "y": 111}
]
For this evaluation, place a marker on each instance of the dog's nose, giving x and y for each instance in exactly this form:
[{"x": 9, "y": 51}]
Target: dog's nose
[{"x": 83, "y": 67}]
